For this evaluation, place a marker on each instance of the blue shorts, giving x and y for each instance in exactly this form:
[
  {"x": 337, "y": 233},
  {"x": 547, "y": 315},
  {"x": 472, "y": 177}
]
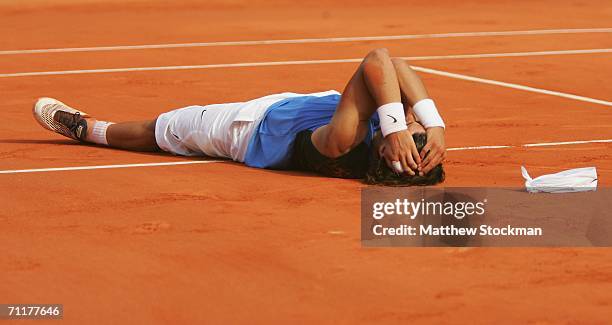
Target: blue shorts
[{"x": 271, "y": 145}]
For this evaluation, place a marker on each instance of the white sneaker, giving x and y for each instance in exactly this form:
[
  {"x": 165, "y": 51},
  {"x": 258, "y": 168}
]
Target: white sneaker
[{"x": 60, "y": 118}]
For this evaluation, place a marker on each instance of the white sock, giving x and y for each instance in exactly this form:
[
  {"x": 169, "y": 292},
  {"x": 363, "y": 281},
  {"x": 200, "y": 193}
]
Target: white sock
[{"x": 98, "y": 133}]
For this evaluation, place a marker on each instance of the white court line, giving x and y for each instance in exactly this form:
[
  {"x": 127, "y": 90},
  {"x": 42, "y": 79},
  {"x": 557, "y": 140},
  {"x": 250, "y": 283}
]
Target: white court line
[
  {"x": 313, "y": 40},
  {"x": 281, "y": 63},
  {"x": 478, "y": 148},
  {"x": 513, "y": 86},
  {"x": 174, "y": 163},
  {"x": 178, "y": 67},
  {"x": 564, "y": 143},
  {"x": 507, "y": 54},
  {"x": 299, "y": 62},
  {"x": 542, "y": 144}
]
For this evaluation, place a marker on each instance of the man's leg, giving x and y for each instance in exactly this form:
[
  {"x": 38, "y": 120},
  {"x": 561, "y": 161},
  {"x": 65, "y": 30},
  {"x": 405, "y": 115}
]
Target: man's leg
[
  {"x": 65, "y": 120},
  {"x": 136, "y": 136},
  {"x": 375, "y": 83}
]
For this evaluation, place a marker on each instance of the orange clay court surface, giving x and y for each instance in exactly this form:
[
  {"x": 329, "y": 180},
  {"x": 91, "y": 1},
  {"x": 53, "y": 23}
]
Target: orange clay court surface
[{"x": 223, "y": 243}]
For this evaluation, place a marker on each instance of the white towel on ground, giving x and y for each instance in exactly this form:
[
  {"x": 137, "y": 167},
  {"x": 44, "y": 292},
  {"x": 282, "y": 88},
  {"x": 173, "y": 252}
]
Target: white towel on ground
[{"x": 573, "y": 180}]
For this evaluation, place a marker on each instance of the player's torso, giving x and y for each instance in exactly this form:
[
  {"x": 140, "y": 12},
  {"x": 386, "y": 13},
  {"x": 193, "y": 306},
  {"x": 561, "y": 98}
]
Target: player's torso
[{"x": 227, "y": 128}]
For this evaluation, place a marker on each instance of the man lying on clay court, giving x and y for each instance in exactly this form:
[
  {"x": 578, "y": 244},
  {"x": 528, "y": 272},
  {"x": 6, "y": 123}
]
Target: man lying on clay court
[{"x": 328, "y": 133}]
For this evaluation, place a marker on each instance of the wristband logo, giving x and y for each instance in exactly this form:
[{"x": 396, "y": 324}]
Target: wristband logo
[{"x": 394, "y": 119}]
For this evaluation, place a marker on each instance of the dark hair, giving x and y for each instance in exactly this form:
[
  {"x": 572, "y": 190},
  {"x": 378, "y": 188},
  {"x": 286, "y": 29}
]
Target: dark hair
[{"x": 380, "y": 174}]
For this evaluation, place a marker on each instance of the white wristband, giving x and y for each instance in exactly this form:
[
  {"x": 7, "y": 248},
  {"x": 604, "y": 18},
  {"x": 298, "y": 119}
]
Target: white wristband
[
  {"x": 392, "y": 118},
  {"x": 427, "y": 113}
]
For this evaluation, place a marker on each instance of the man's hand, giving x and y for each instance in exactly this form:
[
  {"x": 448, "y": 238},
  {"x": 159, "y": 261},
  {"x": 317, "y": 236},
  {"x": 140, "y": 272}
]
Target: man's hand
[
  {"x": 434, "y": 151},
  {"x": 399, "y": 146}
]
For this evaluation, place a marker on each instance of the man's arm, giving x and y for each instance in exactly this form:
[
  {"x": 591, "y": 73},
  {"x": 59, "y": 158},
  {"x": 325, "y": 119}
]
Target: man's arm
[
  {"x": 374, "y": 84},
  {"x": 413, "y": 91}
]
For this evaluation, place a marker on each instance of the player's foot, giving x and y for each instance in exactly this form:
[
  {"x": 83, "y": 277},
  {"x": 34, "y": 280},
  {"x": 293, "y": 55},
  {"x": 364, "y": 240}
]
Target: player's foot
[{"x": 61, "y": 118}]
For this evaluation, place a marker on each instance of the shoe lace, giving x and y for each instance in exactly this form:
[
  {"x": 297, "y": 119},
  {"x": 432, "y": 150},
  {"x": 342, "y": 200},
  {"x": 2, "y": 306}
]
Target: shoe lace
[
  {"x": 69, "y": 120},
  {"x": 75, "y": 120}
]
